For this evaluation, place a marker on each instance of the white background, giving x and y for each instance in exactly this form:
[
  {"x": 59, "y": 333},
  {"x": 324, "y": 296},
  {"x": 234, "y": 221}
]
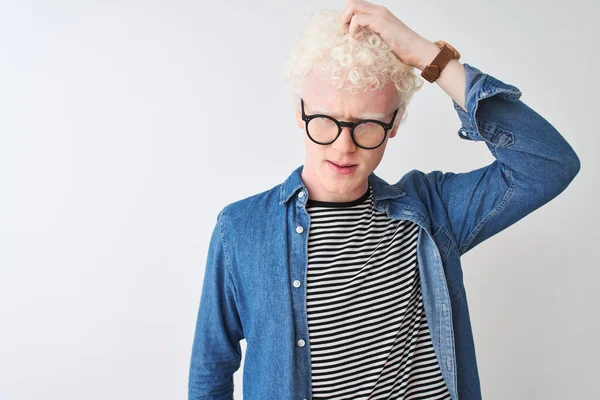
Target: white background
[{"x": 126, "y": 126}]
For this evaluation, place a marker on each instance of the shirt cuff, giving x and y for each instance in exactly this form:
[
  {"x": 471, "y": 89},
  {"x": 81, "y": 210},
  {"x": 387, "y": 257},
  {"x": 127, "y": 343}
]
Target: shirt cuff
[{"x": 480, "y": 86}]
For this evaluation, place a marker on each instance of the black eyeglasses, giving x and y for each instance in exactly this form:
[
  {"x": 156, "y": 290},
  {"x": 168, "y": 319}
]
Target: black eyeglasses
[{"x": 366, "y": 133}]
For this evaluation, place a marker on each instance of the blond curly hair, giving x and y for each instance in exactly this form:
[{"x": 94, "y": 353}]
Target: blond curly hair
[{"x": 356, "y": 64}]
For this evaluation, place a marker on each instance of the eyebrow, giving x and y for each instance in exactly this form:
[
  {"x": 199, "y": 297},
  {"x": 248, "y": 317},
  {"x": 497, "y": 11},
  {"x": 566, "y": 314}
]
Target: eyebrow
[{"x": 380, "y": 116}]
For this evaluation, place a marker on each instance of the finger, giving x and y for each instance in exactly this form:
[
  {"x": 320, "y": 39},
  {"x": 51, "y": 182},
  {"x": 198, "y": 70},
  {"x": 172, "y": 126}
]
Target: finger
[
  {"x": 353, "y": 8},
  {"x": 359, "y": 20}
]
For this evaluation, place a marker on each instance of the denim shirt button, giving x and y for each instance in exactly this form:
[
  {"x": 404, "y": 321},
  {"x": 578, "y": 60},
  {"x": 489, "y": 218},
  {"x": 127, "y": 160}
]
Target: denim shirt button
[
  {"x": 301, "y": 194},
  {"x": 449, "y": 363},
  {"x": 463, "y": 133},
  {"x": 296, "y": 283},
  {"x": 301, "y": 343},
  {"x": 299, "y": 229}
]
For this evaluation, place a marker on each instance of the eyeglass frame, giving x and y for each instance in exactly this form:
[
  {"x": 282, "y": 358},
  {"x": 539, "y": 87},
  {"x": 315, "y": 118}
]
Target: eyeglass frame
[{"x": 340, "y": 124}]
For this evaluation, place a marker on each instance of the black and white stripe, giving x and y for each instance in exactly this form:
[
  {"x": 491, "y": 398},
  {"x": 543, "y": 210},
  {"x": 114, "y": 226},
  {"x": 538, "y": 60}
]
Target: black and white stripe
[{"x": 369, "y": 338}]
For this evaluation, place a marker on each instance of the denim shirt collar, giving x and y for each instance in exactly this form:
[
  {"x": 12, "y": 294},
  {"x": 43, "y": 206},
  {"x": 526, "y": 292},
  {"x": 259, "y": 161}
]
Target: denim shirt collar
[{"x": 381, "y": 189}]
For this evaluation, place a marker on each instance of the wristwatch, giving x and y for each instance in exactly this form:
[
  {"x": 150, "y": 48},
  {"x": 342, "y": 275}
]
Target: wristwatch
[{"x": 433, "y": 71}]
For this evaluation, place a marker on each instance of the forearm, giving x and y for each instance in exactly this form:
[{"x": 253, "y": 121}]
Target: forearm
[{"x": 453, "y": 76}]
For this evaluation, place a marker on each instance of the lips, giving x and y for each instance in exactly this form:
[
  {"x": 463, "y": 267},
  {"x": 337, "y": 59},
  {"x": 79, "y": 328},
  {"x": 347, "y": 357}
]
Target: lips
[
  {"x": 342, "y": 164},
  {"x": 337, "y": 169}
]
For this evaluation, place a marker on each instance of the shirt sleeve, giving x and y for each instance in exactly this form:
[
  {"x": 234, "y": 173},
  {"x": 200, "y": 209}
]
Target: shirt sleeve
[
  {"x": 533, "y": 162},
  {"x": 216, "y": 352}
]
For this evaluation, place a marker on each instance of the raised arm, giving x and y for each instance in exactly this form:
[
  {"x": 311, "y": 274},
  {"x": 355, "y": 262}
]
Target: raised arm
[{"x": 534, "y": 163}]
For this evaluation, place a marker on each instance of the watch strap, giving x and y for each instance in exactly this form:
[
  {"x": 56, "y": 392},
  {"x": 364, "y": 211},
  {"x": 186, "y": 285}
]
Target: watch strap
[{"x": 433, "y": 71}]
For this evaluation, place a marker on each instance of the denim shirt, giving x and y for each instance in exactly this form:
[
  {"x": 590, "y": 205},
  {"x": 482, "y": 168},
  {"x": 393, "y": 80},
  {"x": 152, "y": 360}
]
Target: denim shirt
[{"x": 255, "y": 275}]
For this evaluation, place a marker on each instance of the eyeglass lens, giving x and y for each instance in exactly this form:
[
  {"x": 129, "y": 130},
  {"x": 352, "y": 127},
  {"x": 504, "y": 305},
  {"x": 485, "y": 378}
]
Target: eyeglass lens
[{"x": 366, "y": 134}]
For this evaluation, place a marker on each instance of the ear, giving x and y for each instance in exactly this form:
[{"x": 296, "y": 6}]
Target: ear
[
  {"x": 299, "y": 121},
  {"x": 394, "y": 130}
]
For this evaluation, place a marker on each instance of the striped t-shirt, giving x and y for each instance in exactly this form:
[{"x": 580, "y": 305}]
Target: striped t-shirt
[{"x": 369, "y": 337}]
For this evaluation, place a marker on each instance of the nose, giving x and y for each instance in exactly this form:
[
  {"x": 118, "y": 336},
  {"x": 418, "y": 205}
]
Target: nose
[{"x": 344, "y": 143}]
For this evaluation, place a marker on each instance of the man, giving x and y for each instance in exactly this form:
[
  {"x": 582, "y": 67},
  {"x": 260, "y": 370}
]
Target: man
[{"x": 346, "y": 286}]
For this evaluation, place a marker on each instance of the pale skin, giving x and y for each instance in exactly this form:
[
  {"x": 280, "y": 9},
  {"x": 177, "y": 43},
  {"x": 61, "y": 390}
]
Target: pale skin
[{"x": 321, "y": 97}]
